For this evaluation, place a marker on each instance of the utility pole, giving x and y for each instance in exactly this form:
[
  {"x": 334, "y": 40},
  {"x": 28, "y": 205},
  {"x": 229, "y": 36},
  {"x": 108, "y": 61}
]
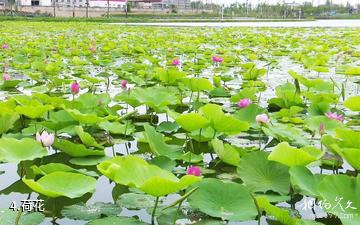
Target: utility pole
[
  {"x": 73, "y": 8},
  {"x": 87, "y": 8},
  {"x": 54, "y": 5},
  {"x": 108, "y": 9}
]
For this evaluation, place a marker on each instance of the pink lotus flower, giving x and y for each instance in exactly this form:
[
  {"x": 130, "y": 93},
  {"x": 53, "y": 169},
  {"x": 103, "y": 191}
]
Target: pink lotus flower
[
  {"x": 245, "y": 102},
  {"x": 262, "y": 119},
  {"x": 217, "y": 59},
  {"x": 123, "y": 84},
  {"x": 45, "y": 138},
  {"x": 6, "y": 76},
  {"x": 75, "y": 88},
  {"x": 92, "y": 49},
  {"x": 334, "y": 116},
  {"x": 176, "y": 62},
  {"x": 194, "y": 170},
  {"x": 5, "y": 46},
  {"x": 322, "y": 129}
]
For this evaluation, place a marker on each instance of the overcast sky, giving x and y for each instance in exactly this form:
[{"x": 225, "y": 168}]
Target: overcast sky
[{"x": 254, "y": 2}]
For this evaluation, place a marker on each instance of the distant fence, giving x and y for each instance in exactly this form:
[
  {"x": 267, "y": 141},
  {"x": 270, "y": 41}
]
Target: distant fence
[{"x": 64, "y": 11}]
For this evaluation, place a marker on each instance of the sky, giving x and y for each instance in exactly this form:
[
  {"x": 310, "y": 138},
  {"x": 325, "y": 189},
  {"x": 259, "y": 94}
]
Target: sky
[{"x": 254, "y": 2}]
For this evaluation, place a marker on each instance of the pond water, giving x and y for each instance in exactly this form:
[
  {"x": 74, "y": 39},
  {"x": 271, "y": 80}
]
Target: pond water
[{"x": 316, "y": 23}]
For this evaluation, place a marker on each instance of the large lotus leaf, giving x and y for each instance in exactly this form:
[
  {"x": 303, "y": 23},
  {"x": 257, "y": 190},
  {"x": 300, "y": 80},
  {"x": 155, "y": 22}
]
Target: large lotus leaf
[
  {"x": 287, "y": 133},
  {"x": 86, "y": 138},
  {"x": 342, "y": 193},
  {"x": 133, "y": 171},
  {"x": 158, "y": 145},
  {"x": 170, "y": 76},
  {"x": 353, "y": 103},
  {"x": 350, "y": 138},
  {"x": 282, "y": 215},
  {"x": 90, "y": 212},
  {"x": 87, "y": 118},
  {"x": 198, "y": 84},
  {"x": 136, "y": 201},
  {"x": 260, "y": 174},
  {"x": 192, "y": 121},
  {"x": 155, "y": 97},
  {"x": 158, "y": 186},
  {"x": 117, "y": 128},
  {"x": 13, "y": 150},
  {"x": 55, "y": 167},
  {"x": 33, "y": 111},
  {"x": 7, "y": 119},
  {"x": 303, "y": 181},
  {"x": 56, "y": 184},
  {"x": 116, "y": 221},
  {"x": 227, "y": 153},
  {"x": 8, "y": 217},
  {"x": 222, "y": 122},
  {"x": 313, "y": 123},
  {"x": 228, "y": 201},
  {"x": 75, "y": 150},
  {"x": 290, "y": 156},
  {"x": 249, "y": 114},
  {"x": 89, "y": 160},
  {"x": 352, "y": 156}
]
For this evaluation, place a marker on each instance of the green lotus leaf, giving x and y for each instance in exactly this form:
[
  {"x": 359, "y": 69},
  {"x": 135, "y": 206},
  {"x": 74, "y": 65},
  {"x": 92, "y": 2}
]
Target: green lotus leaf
[
  {"x": 116, "y": 220},
  {"x": 349, "y": 138},
  {"x": 148, "y": 178},
  {"x": 158, "y": 145},
  {"x": 155, "y": 97},
  {"x": 304, "y": 182},
  {"x": 33, "y": 111},
  {"x": 90, "y": 212},
  {"x": 15, "y": 151},
  {"x": 76, "y": 150},
  {"x": 167, "y": 127},
  {"x": 85, "y": 118},
  {"x": 290, "y": 156},
  {"x": 89, "y": 160},
  {"x": 169, "y": 76},
  {"x": 86, "y": 138},
  {"x": 341, "y": 192},
  {"x": 56, "y": 184},
  {"x": 286, "y": 133},
  {"x": 260, "y": 174},
  {"x": 192, "y": 121},
  {"x": 353, "y": 103},
  {"x": 313, "y": 123},
  {"x": 226, "y": 152},
  {"x": 282, "y": 215},
  {"x": 222, "y": 122},
  {"x": 136, "y": 201},
  {"x": 234, "y": 204},
  {"x": 7, "y": 119},
  {"x": 55, "y": 167},
  {"x": 249, "y": 114},
  {"x": 8, "y": 216},
  {"x": 198, "y": 84},
  {"x": 117, "y": 128},
  {"x": 352, "y": 156},
  {"x": 9, "y": 84}
]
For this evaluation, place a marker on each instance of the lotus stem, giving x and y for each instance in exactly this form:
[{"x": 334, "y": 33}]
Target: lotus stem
[
  {"x": 18, "y": 216},
  {"x": 258, "y": 209},
  {"x": 154, "y": 211},
  {"x": 260, "y": 139},
  {"x": 177, "y": 213}
]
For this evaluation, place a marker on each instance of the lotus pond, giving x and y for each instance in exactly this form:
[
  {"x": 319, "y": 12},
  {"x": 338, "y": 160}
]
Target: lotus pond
[{"x": 108, "y": 124}]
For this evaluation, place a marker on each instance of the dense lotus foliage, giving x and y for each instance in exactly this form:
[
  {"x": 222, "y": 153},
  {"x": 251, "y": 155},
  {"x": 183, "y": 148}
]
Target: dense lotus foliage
[{"x": 113, "y": 124}]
